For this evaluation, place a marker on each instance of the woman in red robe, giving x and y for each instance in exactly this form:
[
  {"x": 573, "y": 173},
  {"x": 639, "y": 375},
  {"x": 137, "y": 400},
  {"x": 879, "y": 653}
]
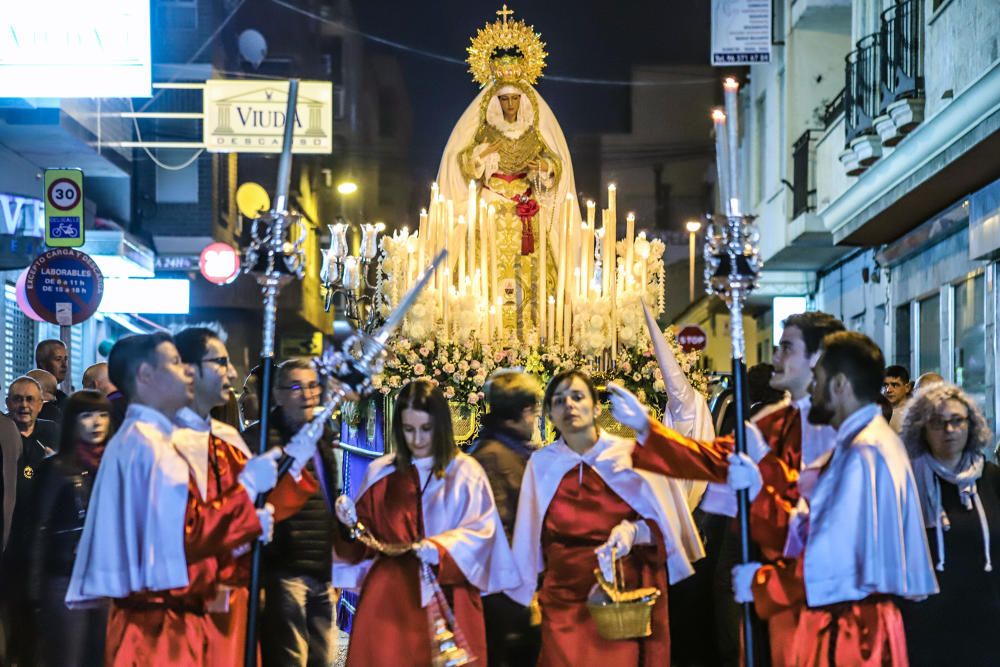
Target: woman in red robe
[
  {"x": 431, "y": 496},
  {"x": 588, "y": 493}
]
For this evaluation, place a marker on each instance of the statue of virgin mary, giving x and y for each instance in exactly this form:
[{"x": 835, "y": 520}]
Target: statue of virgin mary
[{"x": 510, "y": 144}]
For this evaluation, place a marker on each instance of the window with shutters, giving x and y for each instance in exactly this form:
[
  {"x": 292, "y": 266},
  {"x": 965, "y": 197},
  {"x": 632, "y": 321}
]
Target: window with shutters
[{"x": 18, "y": 339}]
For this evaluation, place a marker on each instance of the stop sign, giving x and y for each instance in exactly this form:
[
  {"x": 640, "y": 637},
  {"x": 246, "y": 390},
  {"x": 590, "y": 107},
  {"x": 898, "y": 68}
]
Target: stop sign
[{"x": 692, "y": 337}]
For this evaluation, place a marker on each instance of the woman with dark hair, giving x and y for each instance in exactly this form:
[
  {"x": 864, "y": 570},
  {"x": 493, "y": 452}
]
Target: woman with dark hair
[
  {"x": 946, "y": 436},
  {"x": 591, "y": 499},
  {"x": 71, "y": 637},
  {"x": 435, "y": 503}
]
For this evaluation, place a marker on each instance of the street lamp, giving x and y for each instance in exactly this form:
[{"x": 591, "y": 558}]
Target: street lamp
[{"x": 693, "y": 226}]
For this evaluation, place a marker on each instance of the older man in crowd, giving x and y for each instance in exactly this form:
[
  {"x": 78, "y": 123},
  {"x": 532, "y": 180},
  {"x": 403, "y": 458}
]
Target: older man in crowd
[
  {"x": 51, "y": 355},
  {"x": 96, "y": 377},
  {"x": 50, "y": 406}
]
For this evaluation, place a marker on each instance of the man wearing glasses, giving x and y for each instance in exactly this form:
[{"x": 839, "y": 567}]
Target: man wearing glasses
[
  {"x": 39, "y": 438},
  {"x": 298, "y": 617},
  {"x": 215, "y": 453}
]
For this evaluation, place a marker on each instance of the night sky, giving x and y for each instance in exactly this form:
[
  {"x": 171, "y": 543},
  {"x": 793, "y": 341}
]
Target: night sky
[{"x": 584, "y": 39}]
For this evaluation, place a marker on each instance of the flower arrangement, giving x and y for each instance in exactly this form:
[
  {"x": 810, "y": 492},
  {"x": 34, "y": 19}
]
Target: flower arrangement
[{"x": 462, "y": 369}]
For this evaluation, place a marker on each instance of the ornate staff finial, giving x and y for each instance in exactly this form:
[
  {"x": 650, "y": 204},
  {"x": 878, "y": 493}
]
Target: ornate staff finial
[{"x": 504, "y": 13}]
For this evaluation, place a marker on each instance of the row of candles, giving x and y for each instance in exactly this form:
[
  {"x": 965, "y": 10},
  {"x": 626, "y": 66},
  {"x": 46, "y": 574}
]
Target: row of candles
[{"x": 586, "y": 262}]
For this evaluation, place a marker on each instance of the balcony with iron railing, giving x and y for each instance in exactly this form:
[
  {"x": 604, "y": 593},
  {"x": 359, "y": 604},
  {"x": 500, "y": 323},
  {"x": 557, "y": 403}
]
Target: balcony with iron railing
[
  {"x": 803, "y": 173},
  {"x": 902, "y": 71},
  {"x": 861, "y": 89},
  {"x": 884, "y": 88}
]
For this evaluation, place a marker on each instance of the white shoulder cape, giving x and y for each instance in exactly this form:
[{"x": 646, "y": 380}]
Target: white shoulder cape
[
  {"x": 460, "y": 515},
  {"x": 133, "y": 536},
  {"x": 866, "y": 531},
  {"x": 654, "y": 497},
  {"x": 191, "y": 439}
]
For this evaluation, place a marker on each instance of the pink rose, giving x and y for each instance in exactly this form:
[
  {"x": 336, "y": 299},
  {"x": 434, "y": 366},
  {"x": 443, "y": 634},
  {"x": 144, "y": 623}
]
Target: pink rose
[{"x": 419, "y": 369}]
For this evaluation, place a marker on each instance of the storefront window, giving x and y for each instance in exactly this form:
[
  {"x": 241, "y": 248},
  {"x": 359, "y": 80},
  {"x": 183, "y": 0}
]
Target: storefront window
[
  {"x": 929, "y": 356},
  {"x": 970, "y": 338},
  {"x": 904, "y": 344}
]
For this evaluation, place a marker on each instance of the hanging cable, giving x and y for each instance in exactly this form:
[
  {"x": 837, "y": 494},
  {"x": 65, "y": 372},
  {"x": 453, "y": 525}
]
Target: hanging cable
[
  {"x": 455, "y": 61},
  {"x": 169, "y": 167}
]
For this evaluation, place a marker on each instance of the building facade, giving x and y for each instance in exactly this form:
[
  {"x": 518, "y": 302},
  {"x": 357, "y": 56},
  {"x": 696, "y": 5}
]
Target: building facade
[{"x": 871, "y": 154}]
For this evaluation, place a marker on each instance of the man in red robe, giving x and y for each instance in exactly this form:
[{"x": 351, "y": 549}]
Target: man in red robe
[
  {"x": 790, "y": 444},
  {"x": 152, "y": 542},
  {"x": 856, "y": 532},
  {"x": 205, "y": 443}
]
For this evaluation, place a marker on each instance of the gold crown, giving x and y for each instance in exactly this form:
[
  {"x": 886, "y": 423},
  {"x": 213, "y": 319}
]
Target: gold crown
[{"x": 506, "y": 51}]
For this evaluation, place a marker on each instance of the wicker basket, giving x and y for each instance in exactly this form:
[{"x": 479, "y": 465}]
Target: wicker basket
[{"x": 625, "y": 614}]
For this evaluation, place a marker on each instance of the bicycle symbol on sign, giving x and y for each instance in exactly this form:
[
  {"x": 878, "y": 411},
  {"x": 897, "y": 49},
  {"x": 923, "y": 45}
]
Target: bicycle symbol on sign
[{"x": 65, "y": 230}]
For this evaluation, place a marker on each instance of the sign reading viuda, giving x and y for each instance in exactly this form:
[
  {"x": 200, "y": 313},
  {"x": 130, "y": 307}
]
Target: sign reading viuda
[
  {"x": 249, "y": 116},
  {"x": 63, "y": 208}
]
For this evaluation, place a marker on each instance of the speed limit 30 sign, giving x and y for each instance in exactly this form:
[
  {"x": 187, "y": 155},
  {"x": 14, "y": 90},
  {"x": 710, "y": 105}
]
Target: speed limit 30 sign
[{"x": 63, "y": 208}]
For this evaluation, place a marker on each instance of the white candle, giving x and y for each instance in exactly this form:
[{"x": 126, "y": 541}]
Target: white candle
[
  {"x": 484, "y": 261},
  {"x": 551, "y": 321},
  {"x": 543, "y": 283},
  {"x": 338, "y": 240},
  {"x": 564, "y": 245},
  {"x": 586, "y": 251},
  {"x": 722, "y": 159},
  {"x": 460, "y": 244},
  {"x": 629, "y": 246},
  {"x": 369, "y": 239},
  {"x": 731, "y": 89},
  {"x": 642, "y": 254},
  {"x": 352, "y": 276},
  {"x": 421, "y": 239},
  {"x": 494, "y": 276}
]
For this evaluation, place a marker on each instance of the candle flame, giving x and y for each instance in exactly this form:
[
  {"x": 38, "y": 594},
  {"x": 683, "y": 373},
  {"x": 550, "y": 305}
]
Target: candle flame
[
  {"x": 718, "y": 115},
  {"x": 590, "y": 203},
  {"x": 730, "y": 84}
]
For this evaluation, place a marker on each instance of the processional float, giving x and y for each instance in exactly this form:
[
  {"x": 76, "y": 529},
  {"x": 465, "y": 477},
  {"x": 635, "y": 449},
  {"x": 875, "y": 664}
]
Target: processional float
[
  {"x": 732, "y": 270},
  {"x": 275, "y": 259}
]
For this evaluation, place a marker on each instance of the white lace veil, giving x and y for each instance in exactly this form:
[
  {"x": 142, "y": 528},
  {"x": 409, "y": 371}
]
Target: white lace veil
[{"x": 454, "y": 186}]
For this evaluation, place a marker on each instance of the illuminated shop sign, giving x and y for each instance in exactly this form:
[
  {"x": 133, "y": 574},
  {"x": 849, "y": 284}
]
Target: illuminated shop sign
[{"x": 68, "y": 48}]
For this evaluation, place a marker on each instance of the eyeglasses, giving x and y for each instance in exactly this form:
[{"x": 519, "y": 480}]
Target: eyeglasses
[
  {"x": 15, "y": 399},
  {"x": 953, "y": 424},
  {"x": 221, "y": 362},
  {"x": 301, "y": 388}
]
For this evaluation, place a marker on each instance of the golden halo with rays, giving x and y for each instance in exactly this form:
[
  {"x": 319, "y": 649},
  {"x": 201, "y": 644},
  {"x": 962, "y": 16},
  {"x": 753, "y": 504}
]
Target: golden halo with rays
[{"x": 506, "y": 50}]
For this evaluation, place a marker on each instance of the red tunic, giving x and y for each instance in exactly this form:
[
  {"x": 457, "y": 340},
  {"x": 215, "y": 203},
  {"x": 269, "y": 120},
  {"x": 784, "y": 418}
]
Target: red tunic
[
  {"x": 390, "y": 627},
  {"x": 770, "y": 512},
  {"x": 174, "y": 627},
  {"x": 577, "y": 521},
  {"x": 865, "y": 633}
]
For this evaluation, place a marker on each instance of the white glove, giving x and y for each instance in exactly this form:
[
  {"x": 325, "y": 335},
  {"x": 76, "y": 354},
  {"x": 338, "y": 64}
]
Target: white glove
[
  {"x": 346, "y": 513},
  {"x": 743, "y": 576},
  {"x": 623, "y": 537},
  {"x": 266, "y": 517},
  {"x": 260, "y": 473},
  {"x": 427, "y": 552},
  {"x": 626, "y": 408},
  {"x": 744, "y": 474},
  {"x": 302, "y": 446}
]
